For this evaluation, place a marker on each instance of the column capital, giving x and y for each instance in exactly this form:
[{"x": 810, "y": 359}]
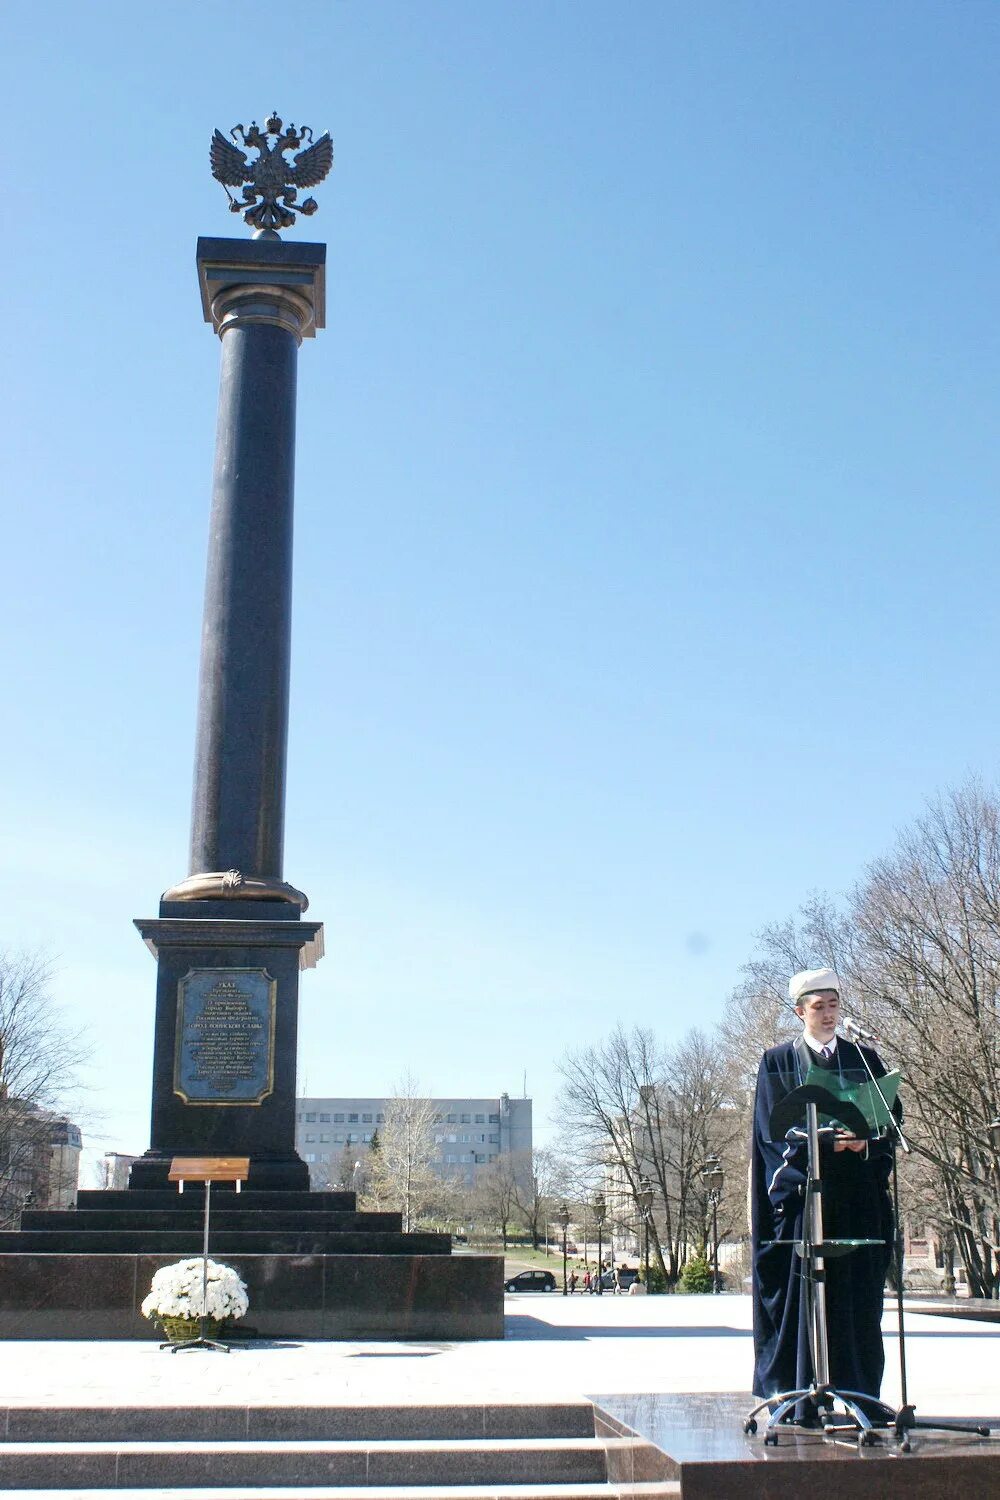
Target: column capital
[{"x": 263, "y": 281}]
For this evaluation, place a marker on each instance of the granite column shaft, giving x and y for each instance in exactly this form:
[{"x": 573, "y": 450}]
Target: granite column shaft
[{"x": 239, "y": 779}]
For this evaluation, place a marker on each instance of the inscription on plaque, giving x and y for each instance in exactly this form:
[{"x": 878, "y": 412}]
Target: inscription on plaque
[{"x": 225, "y": 1036}]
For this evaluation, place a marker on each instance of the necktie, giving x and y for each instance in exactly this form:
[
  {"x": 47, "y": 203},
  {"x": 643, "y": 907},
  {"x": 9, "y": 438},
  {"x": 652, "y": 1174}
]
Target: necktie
[{"x": 827, "y": 1052}]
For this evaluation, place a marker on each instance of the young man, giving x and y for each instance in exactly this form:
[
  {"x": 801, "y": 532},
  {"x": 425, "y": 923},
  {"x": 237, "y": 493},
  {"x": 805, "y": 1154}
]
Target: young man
[{"x": 856, "y": 1205}]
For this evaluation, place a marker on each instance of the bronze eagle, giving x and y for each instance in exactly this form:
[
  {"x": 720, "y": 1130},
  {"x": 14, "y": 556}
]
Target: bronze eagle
[{"x": 270, "y": 184}]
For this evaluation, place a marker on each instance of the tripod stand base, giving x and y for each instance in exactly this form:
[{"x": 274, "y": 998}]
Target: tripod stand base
[
  {"x": 196, "y": 1344},
  {"x": 906, "y": 1421},
  {"x": 900, "y": 1423},
  {"x": 832, "y": 1424},
  {"x": 201, "y": 1342}
]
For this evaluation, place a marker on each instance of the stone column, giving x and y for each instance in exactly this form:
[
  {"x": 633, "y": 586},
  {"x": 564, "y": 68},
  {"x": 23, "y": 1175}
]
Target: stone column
[
  {"x": 263, "y": 297},
  {"x": 229, "y": 939}
]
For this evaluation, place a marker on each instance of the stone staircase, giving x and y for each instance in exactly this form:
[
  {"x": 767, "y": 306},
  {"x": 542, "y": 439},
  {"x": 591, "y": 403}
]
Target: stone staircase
[
  {"x": 404, "y": 1452},
  {"x": 162, "y": 1222}
]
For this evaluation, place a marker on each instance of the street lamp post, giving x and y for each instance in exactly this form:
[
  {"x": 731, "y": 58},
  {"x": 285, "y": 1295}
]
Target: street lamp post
[
  {"x": 600, "y": 1214},
  {"x": 644, "y": 1199},
  {"x": 995, "y": 1142},
  {"x": 713, "y": 1177},
  {"x": 562, "y": 1218}
]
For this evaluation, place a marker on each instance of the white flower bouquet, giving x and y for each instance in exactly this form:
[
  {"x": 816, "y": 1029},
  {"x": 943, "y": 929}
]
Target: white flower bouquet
[{"x": 176, "y": 1292}]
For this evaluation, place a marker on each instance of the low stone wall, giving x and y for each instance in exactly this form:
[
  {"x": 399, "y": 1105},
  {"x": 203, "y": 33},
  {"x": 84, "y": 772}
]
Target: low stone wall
[{"x": 93, "y": 1296}]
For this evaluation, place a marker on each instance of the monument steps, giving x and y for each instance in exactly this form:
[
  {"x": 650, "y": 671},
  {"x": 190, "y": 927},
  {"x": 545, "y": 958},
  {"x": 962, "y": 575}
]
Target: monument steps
[
  {"x": 186, "y": 1242},
  {"x": 662, "y": 1489},
  {"x": 180, "y": 1217},
  {"x": 223, "y": 1197},
  {"x": 515, "y": 1451}
]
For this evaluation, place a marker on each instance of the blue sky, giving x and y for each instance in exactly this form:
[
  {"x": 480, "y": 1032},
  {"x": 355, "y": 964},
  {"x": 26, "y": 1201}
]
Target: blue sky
[{"x": 646, "y": 497}]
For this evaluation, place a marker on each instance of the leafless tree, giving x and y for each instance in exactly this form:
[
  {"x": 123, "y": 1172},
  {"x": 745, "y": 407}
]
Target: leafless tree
[
  {"x": 640, "y": 1109},
  {"x": 40, "y": 1055},
  {"x": 494, "y": 1200},
  {"x": 402, "y": 1171},
  {"x": 536, "y": 1181},
  {"x": 926, "y": 966}
]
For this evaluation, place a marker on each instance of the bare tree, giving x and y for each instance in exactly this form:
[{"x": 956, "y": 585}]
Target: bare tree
[
  {"x": 495, "y": 1195},
  {"x": 638, "y": 1110},
  {"x": 926, "y": 965},
  {"x": 402, "y": 1171},
  {"x": 40, "y": 1055},
  {"x": 758, "y": 1013},
  {"x": 535, "y": 1182}
]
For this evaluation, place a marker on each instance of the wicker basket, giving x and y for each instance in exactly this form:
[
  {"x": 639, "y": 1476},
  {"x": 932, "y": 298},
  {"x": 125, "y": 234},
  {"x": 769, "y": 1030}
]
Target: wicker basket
[{"x": 183, "y": 1330}]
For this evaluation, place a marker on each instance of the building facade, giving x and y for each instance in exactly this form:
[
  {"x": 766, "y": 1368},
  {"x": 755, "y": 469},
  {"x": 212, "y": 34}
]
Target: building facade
[
  {"x": 39, "y": 1159},
  {"x": 467, "y": 1134}
]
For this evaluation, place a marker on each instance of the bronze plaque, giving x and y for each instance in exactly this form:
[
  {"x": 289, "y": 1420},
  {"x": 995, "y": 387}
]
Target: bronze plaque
[{"x": 225, "y": 1036}]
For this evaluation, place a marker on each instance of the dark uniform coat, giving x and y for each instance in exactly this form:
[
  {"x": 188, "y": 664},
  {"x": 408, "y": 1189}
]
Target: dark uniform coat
[{"x": 856, "y": 1205}]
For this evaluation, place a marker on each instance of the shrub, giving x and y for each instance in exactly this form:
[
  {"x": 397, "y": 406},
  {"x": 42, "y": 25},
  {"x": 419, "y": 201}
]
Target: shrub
[
  {"x": 696, "y": 1275},
  {"x": 657, "y": 1279}
]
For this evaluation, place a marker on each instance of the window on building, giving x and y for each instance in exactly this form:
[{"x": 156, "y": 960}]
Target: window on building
[
  {"x": 324, "y": 1119},
  {"x": 450, "y": 1160},
  {"x": 480, "y": 1119},
  {"x": 338, "y": 1139},
  {"x": 366, "y": 1119},
  {"x": 324, "y": 1135},
  {"x": 494, "y": 1119},
  {"x": 380, "y": 1119},
  {"x": 493, "y": 1156},
  {"x": 494, "y": 1139},
  {"x": 452, "y": 1120},
  {"x": 299, "y": 1117},
  {"x": 310, "y": 1157},
  {"x": 338, "y": 1119},
  {"x": 465, "y": 1120},
  {"x": 310, "y": 1136},
  {"x": 479, "y": 1159},
  {"x": 451, "y": 1139},
  {"x": 310, "y": 1119},
  {"x": 367, "y": 1136},
  {"x": 352, "y": 1119}
]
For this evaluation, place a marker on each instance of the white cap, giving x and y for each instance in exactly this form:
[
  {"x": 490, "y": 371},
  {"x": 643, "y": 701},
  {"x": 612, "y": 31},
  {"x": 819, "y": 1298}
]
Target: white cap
[{"x": 808, "y": 980}]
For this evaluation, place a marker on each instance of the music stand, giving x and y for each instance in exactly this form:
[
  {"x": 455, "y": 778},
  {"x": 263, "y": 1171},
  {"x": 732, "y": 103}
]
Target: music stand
[
  {"x": 905, "y": 1419},
  {"x": 206, "y": 1169},
  {"x": 814, "y": 1250}
]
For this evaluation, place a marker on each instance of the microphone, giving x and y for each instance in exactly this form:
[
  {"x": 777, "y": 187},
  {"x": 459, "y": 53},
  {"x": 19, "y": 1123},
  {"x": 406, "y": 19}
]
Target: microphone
[{"x": 857, "y": 1033}]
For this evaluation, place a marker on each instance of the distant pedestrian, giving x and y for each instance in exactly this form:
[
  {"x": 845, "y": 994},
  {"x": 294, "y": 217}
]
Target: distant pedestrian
[
  {"x": 586, "y": 1280},
  {"x": 572, "y": 1282}
]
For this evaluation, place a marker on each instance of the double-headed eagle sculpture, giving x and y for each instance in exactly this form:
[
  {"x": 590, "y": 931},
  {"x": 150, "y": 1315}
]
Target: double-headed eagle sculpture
[{"x": 270, "y": 184}]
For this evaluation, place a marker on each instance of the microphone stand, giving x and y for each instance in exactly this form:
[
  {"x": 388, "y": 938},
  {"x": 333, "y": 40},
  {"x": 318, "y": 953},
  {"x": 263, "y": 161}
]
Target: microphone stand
[
  {"x": 813, "y": 1250},
  {"x": 906, "y": 1419}
]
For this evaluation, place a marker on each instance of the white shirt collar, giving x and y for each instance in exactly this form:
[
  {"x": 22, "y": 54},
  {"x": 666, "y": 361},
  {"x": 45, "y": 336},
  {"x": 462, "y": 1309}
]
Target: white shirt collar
[{"x": 817, "y": 1047}]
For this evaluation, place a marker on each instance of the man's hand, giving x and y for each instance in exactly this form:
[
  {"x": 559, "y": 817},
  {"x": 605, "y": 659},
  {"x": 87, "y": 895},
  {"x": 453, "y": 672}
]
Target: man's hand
[{"x": 844, "y": 1141}]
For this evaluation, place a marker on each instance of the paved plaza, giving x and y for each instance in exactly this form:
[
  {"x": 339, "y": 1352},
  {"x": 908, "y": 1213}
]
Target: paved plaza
[{"x": 555, "y": 1348}]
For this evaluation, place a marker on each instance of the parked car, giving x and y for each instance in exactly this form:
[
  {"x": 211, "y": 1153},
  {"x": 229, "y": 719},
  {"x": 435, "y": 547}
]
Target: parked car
[
  {"x": 628, "y": 1275},
  {"x": 531, "y": 1281}
]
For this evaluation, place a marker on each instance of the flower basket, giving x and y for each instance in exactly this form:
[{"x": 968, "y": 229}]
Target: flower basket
[
  {"x": 183, "y": 1330},
  {"x": 175, "y": 1298}
]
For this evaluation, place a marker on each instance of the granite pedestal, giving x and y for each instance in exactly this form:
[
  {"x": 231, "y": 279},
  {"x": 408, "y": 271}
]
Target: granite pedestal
[
  {"x": 702, "y": 1441},
  {"x": 315, "y": 1267}
]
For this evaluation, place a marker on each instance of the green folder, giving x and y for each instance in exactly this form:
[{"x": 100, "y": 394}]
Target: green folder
[{"x": 859, "y": 1091}]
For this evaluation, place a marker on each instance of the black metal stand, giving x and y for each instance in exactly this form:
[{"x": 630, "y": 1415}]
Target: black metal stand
[
  {"x": 202, "y": 1341},
  {"x": 905, "y": 1419},
  {"x": 821, "y": 1393}
]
